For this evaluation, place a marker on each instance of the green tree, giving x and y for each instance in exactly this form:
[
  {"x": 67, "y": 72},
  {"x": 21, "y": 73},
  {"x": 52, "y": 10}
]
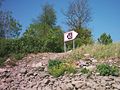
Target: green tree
[
  {"x": 48, "y": 16},
  {"x": 105, "y": 39},
  {"x": 45, "y": 31}
]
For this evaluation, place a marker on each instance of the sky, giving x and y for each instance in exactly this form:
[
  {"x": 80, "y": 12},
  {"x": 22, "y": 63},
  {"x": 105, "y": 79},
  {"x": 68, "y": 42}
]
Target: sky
[{"x": 105, "y": 14}]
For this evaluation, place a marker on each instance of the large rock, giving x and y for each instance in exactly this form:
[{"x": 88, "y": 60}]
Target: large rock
[
  {"x": 77, "y": 84},
  {"x": 23, "y": 71},
  {"x": 116, "y": 86},
  {"x": 37, "y": 64},
  {"x": 91, "y": 68},
  {"x": 70, "y": 86},
  {"x": 46, "y": 81}
]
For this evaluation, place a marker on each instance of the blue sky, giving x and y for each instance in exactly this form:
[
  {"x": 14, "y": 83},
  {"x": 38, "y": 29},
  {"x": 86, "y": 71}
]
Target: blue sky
[{"x": 105, "y": 14}]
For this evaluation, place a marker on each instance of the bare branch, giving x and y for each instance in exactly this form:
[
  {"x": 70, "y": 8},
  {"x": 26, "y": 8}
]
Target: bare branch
[{"x": 78, "y": 14}]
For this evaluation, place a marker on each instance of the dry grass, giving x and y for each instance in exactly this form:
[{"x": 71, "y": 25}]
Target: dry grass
[{"x": 97, "y": 51}]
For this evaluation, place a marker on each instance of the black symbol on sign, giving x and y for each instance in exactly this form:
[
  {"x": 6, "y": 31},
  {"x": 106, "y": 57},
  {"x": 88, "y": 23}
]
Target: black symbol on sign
[{"x": 69, "y": 36}]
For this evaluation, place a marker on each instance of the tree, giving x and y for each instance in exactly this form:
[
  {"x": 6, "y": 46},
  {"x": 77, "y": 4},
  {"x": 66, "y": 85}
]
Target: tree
[
  {"x": 48, "y": 16},
  {"x": 84, "y": 37},
  {"x": 9, "y": 26},
  {"x": 78, "y": 14},
  {"x": 45, "y": 31},
  {"x": 105, "y": 39}
]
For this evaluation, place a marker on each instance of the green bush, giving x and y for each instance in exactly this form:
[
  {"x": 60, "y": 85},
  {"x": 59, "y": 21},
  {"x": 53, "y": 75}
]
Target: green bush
[
  {"x": 2, "y": 60},
  {"x": 54, "y": 63},
  {"x": 58, "y": 68},
  {"x": 84, "y": 71},
  {"x": 106, "y": 70},
  {"x": 18, "y": 56},
  {"x": 57, "y": 71},
  {"x": 105, "y": 39}
]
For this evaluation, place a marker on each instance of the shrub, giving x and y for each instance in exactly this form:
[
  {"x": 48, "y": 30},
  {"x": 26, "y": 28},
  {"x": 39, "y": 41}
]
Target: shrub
[
  {"x": 69, "y": 68},
  {"x": 105, "y": 39},
  {"x": 57, "y": 71},
  {"x": 106, "y": 70},
  {"x": 53, "y": 63},
  {"x": 18, "y": 56},
  {"x": 84, "y": 71},
  {"x": 58, "y": 68},
  {"x": 2, "y": 60}
]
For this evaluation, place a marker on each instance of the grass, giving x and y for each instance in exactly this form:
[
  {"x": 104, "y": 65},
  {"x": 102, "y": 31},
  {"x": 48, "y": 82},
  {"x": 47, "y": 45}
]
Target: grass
[
  {"x": 97, "y": 51},
  {"x": 84, "y": 70}
]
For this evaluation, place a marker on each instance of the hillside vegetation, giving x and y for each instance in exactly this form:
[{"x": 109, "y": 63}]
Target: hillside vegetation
[{"x": 97, "y": 51}]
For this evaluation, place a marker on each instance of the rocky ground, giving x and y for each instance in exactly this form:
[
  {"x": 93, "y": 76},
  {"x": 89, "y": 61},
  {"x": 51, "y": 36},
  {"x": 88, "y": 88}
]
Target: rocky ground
[{"x": 31, "y": 74}]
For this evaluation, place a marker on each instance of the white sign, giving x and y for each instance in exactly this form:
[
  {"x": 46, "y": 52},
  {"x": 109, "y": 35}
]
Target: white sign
[{"x": 71, "y": 35}]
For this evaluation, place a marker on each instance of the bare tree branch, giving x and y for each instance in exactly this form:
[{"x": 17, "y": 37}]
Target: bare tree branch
[{"x": 78, "y": 14}]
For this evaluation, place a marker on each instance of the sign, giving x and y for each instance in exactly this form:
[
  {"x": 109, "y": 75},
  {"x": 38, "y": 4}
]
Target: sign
[{"x": 71, "y": 35}]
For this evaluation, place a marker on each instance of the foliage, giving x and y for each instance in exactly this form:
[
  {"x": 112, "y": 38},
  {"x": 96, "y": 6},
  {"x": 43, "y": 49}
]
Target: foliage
[
  {"x": 58, "y": 68},
  {"x": 84, "y": 71},
  {"x": 41, "y": 36},
  {"x": 77, "y": 16},
  {"x": 57, "y": 71},
  {"x": 49, "y": 36},
  {"x": 50, "y": 41},
  {"x": 106, "y": 70},
  {"x": 18, "y": 56},
  {"x": 48, "y": 16},
  {"x": 84, "y": 38},
  {"x": 2, "y": 60},
  {"x": 53, "y": 63},
  {"x": 105, "y": 39}
]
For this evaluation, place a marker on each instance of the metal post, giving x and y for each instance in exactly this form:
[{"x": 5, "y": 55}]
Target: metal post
[
  {"x": 64, "y": 47},
  {"x": 73, "y": 44}
]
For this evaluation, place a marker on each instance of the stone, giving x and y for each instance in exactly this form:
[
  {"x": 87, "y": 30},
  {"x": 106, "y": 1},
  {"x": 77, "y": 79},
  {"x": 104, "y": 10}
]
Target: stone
[
  {"x": 87, "y": 55},
  {"x": 46, "y": 69},
  {"x": 46, "y": 81},
  {"x": 117, "y": 86},
  {"x": 100, "y": 88},
  {"x": 93, "y": 60},
  {"x": 30, "y": 73},
  {"x": 69, "y": 86},
  {"x": 91, "y": 68},
  {"x": 43, "y": 74},
  {"x": 40, "y": 68},
  {"x": 47, "y": 88},
  {"x": 32, "y": 89},
  {"x": 2, "y": 70},
  {"x": 9, "y": 80},
  {"x": 82, "y": 63},
  {"x": 6, "y": 74},
  {"x": 58, "y": 88},
  {"x": 39, "y": 88},
  {"x": 77, "y": 84},
  {"x": 63, "y": 86},
  {"x": 23, "y": 71}
]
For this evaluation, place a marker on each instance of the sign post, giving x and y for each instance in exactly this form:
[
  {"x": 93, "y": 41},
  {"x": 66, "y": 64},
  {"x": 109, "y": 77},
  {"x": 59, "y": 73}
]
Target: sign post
[
  {"x": 68, "y": 36},
  {"x": 64, "y": 47}
]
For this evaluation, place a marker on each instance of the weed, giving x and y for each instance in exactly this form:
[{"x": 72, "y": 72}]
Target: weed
[{"x": 106, "y": 70}]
